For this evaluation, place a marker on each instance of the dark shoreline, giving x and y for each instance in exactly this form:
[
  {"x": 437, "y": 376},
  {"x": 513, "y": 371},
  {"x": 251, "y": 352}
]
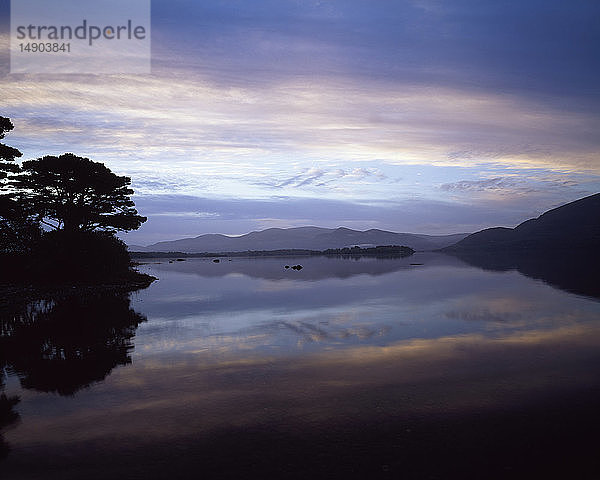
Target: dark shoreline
[{"x": 9, "y": 292}]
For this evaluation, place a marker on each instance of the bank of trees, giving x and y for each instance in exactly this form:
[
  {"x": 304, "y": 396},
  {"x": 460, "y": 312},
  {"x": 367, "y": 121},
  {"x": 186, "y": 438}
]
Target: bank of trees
[{"x": 59, "y": 216}]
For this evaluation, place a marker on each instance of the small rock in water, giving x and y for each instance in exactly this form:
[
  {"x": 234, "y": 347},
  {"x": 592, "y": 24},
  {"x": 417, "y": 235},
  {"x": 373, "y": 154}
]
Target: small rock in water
[
  {"x": 287, "y": 266},
  {"x": 297, "y": 267},
  {"x": 216, "y": 260}
]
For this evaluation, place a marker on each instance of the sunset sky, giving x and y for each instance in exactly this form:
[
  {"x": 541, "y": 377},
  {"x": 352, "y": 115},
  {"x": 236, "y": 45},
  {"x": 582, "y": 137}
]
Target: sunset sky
[{"x": 418, "y": 116}]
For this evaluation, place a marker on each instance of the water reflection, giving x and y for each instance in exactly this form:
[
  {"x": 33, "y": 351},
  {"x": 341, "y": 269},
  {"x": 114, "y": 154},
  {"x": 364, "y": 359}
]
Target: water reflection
[
  {"x": 352, "y": 369},
  {"x": 258, "y": 304},
  {"x": 572, "y": 271},
  {"x": 524, "y": 402},
  {"x": 314, "y": 267},
  {"x": 63, "y": 343},
  {"x": 8, "y": 416}
]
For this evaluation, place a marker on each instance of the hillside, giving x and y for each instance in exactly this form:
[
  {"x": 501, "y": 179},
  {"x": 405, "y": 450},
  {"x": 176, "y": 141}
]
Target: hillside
[
  {"x": 309, "y": 238},
  {"x": 574, "y": 226}
]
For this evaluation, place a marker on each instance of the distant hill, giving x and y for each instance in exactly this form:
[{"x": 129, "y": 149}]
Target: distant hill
[
  {"x": 574, "y": 226},
  {"x": 309, "y": 238}
]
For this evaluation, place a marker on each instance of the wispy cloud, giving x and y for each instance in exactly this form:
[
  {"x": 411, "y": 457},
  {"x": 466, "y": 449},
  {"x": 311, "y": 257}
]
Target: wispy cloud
[
  {"x": 518, "y": 186},
  {"x": 189, "y": 119},
  {"x": 495, "y": 184},
  {"x": 319, "y": 177}
]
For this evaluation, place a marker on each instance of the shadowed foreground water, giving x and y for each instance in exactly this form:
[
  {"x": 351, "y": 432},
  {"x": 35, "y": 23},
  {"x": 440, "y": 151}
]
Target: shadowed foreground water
[{"x": 347, "y": 368}]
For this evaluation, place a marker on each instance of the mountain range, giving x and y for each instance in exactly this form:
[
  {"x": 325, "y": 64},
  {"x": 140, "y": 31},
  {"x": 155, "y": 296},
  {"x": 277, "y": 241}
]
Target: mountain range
[
  {"x": 574, "y": 226},
  {"x": 309, "y": 238}
]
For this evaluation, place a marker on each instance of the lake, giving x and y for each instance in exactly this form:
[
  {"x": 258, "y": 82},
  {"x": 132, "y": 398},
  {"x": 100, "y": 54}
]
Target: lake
[{"x": 417, "y": 367}]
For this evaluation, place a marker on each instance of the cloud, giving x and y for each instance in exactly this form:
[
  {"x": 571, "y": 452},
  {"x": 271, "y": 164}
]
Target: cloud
[
  {"x": 489, "y": 46},
  {"x": 498, "y": 183},
  {"x": 310, "y": 176},
  {"x": 534, "y": 186},
  {"x": 150, "y": 118},
  {"x": 325, "y": 177}
]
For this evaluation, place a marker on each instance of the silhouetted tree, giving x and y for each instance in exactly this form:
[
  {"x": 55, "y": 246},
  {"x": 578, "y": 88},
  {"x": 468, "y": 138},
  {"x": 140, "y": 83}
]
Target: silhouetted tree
[
  {"x": 85, "y": 256},
  {"x": 75, "y": 194},
  {"x": 18, "y": 231},
  {"x": 7, "y": 154},
  {"x": 7, "y": 165},
  {"x": 80, "y": 203}
]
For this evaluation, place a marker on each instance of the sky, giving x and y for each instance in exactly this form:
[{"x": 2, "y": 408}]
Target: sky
[{"x": 419, "y": 116}]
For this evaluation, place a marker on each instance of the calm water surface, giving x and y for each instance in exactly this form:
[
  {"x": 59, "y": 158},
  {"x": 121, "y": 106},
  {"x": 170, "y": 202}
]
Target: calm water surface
[{"x": 423, "y": 367}]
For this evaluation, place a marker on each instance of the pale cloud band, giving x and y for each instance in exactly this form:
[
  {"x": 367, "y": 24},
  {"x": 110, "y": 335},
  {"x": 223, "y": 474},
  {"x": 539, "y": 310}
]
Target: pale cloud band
[{"x": 189, "y": 120}]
